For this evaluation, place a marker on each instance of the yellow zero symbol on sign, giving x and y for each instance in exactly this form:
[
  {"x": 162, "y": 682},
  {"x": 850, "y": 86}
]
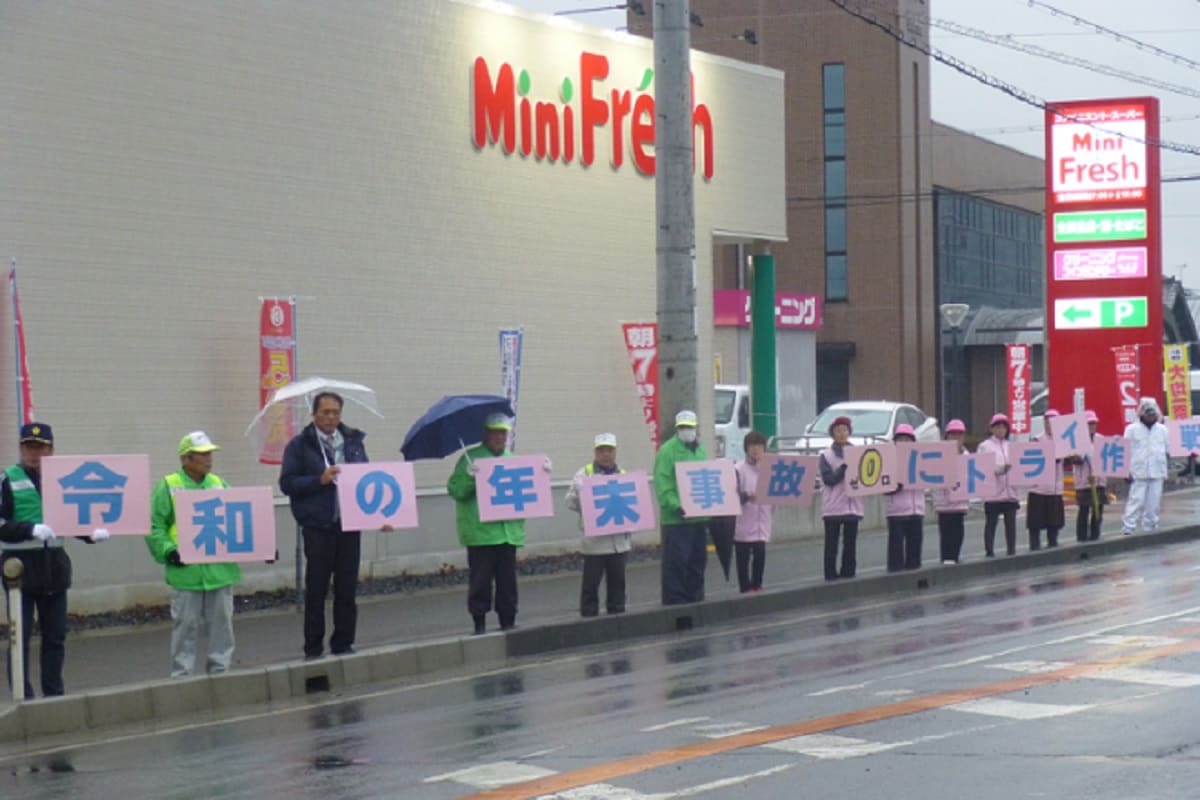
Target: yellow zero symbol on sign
[{"x": 870, "y": 468}]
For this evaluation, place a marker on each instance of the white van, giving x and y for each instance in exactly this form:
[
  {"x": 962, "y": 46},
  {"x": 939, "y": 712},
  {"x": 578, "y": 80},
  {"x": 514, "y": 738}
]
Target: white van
[{"x": 731, "y": 412}]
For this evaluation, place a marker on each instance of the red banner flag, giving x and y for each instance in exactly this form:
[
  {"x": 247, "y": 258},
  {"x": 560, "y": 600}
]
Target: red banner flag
[
  {"x": 1018, "y": 388},
  {"x": 641, "y": 338},
  {"x": 24, "y": 385},
  {"x": 277, "y": 359}
]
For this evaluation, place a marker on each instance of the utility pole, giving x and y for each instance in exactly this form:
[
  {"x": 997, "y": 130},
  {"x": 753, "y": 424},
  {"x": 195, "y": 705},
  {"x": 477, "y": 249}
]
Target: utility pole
[{"x": 675, "y": 208}]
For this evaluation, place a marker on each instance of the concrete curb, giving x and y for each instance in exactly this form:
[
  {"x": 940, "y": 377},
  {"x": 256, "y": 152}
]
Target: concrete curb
[{"x": 153, "y": 701}]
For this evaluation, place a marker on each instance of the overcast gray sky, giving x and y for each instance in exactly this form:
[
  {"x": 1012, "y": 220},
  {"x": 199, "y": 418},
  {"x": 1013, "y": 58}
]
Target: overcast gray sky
[{"x": 1172, "y": 25}]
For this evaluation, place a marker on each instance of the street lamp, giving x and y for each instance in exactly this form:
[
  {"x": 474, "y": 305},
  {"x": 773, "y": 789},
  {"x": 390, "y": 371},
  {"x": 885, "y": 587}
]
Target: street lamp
[{"x": 953, "y": 315}]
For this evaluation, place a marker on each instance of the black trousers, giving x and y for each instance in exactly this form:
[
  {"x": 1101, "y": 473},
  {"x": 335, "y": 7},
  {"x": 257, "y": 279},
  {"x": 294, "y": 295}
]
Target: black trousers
[
  {"x": 330, "y": 553},
  {"x": 493, "y": 565},
  {"x": 991, "y": 515},
  {"x": 1087, "y": 525},
  {"x": 905, "y": 537},
  {"x": 51, "y": 609},
  {"x": 610, "y": 566},
  {"x": 845, "y": 528},
  {"x": 684, "y": 559},
  {"x": 950, "y": 534},
  {"x": 750, "y": 557}
]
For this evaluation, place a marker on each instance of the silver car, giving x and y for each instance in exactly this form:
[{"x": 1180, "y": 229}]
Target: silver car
[{"x": 870, "y": 421}]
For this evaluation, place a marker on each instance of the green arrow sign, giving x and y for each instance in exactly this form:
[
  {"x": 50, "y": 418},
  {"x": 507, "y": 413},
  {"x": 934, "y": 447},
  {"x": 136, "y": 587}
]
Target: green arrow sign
[{"x": 1081, "y": 313}]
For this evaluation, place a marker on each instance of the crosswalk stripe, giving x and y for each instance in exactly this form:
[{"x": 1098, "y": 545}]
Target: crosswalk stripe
[
  {"x": 1135, "y": 641},
  {"x": 675, "y": 723},
  {"x": 830, "y": 746},
  {"x": 1149, "y": 677},
  {"x": 498, "y": 773},
  {"x": 1015, "y": 709},
  {"x": 1031, "y": 667}
]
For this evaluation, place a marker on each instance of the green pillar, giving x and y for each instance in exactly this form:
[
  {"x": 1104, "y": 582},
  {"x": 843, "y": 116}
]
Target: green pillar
[{"x": 764, "y": 404}]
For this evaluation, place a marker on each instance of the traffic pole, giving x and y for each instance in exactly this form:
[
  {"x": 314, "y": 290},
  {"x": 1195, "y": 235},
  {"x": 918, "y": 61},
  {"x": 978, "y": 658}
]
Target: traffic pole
[
  {"x": 675, "y": 214},
  {"x": 13, "y": 572},
  {"x": 764, "y": 401}
]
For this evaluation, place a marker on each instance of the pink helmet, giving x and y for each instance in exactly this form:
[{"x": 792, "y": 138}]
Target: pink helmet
[
  {"x": 999, "y": 419},
  {"x": 956, "y": 426},
  {"x": 904, "y": 429},
  {"x": 1091, "y": 416},
  {"x": 1050, "y": 412}
]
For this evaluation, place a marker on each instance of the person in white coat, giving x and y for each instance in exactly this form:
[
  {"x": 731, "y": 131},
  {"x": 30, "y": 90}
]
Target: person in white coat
[
  {"x": 1149, "y": 455},
  {"x": 603, "y": 556}
]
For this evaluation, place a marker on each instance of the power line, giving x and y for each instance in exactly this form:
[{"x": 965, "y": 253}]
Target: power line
[
  {"x": 1120, "y": 37},
  {"x": 1062, "y": 58},
  {"x": 978, "y": 75}
]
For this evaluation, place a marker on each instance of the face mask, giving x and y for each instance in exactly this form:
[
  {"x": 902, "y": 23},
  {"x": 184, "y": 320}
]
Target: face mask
[{"x": 687, "y": 435}]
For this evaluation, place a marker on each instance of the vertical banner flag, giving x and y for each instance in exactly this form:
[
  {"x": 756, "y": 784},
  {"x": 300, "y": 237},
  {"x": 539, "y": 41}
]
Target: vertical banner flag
[
  {"x": 1018, "y": 388},
  {"x": 277, "y": 368},
  {"x": 512, "y": 342},
  {"x": 24, "y": 387},
  {"x": 1176, "y": 380},
  {"x": 1128, "y": 380},
  {"x": 641, "y": 339}
]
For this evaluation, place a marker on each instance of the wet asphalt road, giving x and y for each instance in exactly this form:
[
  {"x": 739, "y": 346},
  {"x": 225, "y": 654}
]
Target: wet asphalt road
[{"x": 1075, "y": 682}]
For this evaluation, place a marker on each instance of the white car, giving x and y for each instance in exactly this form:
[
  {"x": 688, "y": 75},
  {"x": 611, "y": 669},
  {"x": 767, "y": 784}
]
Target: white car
[{"x": 870, "y": 421}]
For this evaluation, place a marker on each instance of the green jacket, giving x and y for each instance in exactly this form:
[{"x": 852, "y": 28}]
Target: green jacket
[
  {"x": 665, "y": 486},
  {"x": 163, "y": 537},
  {"x": 472, "y": 532}
]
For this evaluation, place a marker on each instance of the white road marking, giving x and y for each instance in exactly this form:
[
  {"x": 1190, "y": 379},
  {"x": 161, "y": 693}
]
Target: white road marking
[
  {"x": 596, "y": 791},
  {"x": 894, "y": 693},
  {"x": 675, "y": 723},
  {"x": 489, "y": 776},
  {"x": 831, "y": 746},
  {"x": 1015, "y": 709},
  {"x": 1149, "y": 677},
  {"x": 538, "y": 753},
  {"x": 606, "y": 791},
  {"x": 1135, "y": 641},
  {"x": 736, "y": 780},
  {"x": 1031, "y": 667},
  {"x": 835, "y": 689},
  {"x": 721, "y": 730}
]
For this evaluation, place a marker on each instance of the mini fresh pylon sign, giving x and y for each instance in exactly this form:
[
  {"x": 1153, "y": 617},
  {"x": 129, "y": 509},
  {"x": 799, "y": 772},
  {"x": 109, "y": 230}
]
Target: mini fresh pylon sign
[{"x": 504, "y": 114}]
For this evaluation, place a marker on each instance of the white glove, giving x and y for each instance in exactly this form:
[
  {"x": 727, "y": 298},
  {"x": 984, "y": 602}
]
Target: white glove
[
  {"x": 43, "y": 533},
  {"x": 472, "y": 469},
  {"x": 100, "y": 535},
  {"x": 548, "y": 465}
]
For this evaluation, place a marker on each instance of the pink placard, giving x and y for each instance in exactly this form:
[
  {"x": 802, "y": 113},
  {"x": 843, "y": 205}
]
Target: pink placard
[
  {"x": 1183, "y": 436},
  {"x": 371, "y": 496},
  {"x": 1032, "y": 465},
  {"x": 870, "y": 469},
  {"x": 616, "y": 504},
  {"x": 731, "y": 308},
  {"x": 223, "y": 525},
  {"x": 1070, "y": 432},
  {"x": 1100, "y": 264},
  {"x": 976, "y": 476},
  {"x": 82, "y": 493},
  {"x": 927, "y": 465},
  {"x": 788, "y": 480},
  {"x": 513, "y": 487},
  {"x": 708, "y": 488},
  {"x": 1111, "y": 456}
]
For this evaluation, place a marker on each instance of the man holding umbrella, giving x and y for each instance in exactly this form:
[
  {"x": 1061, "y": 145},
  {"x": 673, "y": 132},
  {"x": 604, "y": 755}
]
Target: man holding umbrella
[
  {"x": 308, "y": 477},
  {"x": 491, "y": 546}
]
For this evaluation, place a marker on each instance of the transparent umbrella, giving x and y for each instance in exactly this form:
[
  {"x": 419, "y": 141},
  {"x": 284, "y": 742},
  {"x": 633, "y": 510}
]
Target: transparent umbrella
[{"x": 290, "y": 409}]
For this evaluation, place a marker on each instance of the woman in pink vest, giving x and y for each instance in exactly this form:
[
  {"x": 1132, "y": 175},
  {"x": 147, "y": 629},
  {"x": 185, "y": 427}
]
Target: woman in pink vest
[
  {"x": 952, "y": 509},
  {"x": 840, "y": 511},
  {"x": 752, "y": 530},
  {"x": 1003, "y": 500},
  {"x": 905, "y": 518}
]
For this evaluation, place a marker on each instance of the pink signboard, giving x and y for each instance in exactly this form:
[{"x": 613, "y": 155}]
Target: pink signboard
[
  {"x": 513, "y": 487},
  {"x": 83, "y": 493},
  {"x": 870, "y": 469},
  {"x": 976, "y": 476},
  {"x": 1032, "y": 465},
  {"x": 788, "y": 480},
  {"x": 1110, "y": 456},
  {"x": 1070, "y": 433},
  {"x": 927, "y": 465},
  {"x": 731, "y": 309},
  {"x": 1100, "y": 264},
  {"x": 708, "y": 488},
  {"x": 616, "y": 504},
  {"x": 374, "y": 496},
  {"x": 223, "y": 525},
  {"x": 1184, "y": 437}
]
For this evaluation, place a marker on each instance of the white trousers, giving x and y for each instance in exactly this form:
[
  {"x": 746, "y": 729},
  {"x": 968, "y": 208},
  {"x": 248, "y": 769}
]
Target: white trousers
[
  {"x": 211, "y": 611},
  {"x": 1145, "y": 496}
]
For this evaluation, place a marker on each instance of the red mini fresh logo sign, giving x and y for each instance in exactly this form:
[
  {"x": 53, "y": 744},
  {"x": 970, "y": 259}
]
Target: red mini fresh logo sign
[{"x": 503, "y": 114}]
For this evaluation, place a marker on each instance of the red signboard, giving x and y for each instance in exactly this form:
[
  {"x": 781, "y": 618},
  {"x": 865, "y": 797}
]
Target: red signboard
[
  {"x": 277, "y": 368},
  {"x": 641, "y": 339},
  {"x": 1018, "y": 388},
  {"x": 731, "y": 309},
  {"x": 1103, "y": 254}
]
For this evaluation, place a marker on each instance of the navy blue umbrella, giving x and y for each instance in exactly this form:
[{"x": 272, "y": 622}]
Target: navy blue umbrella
[{"x": 451, "y": 423}]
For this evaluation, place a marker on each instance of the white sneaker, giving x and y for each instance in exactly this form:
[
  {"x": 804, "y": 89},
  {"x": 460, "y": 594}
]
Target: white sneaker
[{"x": 947, "y": 562}]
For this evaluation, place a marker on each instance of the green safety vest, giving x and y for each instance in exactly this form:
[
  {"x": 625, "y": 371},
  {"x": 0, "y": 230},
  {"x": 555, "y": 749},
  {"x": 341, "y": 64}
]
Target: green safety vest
[
  {"x": 590, "y": 469},
  {"x": 27, "y": 506}
]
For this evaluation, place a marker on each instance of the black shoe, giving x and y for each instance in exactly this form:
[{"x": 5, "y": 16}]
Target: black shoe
[
  {"x": 480, "y": 625},
  {"x": 348, "y": 651},
  {"x": 507, "y": 626},
  {"x": 312, "y": 656}
]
